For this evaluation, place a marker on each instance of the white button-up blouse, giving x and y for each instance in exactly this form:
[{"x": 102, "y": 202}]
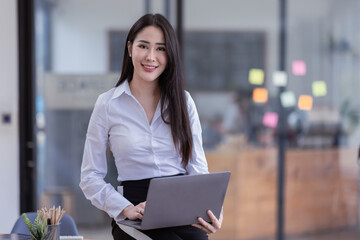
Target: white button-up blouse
[{"x": 141, "y": 150}]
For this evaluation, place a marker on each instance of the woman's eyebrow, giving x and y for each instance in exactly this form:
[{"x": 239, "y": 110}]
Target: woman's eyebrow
[{"x": 144, "y": 41}]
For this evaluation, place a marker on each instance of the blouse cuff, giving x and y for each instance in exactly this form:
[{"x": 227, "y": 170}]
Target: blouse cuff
[{"x": 116, "y": 203}]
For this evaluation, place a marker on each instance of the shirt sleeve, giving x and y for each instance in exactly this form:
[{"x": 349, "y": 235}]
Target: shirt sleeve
[
  {"x": 197, "y": 163},
  {"x": 94, "y": 166}
]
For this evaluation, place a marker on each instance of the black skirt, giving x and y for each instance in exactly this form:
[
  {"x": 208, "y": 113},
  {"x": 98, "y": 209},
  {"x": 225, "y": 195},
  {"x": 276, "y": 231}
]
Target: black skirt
[{"x": 136, "y": 192}]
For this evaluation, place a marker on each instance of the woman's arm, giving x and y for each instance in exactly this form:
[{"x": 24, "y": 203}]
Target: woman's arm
[
  {"x": 94, "y": 167},
  {"x": 197, "y": 163}
]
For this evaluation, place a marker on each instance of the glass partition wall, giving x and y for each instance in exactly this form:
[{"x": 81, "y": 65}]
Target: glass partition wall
[
  {"x": 232, "y": 55},
  {"x": 231, "y": 60}
]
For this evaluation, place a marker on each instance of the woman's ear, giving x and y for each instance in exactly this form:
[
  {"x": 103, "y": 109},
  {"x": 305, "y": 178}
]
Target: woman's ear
[{"x": 129, "y": 47}]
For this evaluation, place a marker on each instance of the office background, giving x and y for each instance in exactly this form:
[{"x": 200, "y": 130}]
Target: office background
[
  {"x": 77, "y": 56},
  {"x": 9, "y": 170}
]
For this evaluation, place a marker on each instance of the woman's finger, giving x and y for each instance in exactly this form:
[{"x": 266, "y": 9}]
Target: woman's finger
[
  {"x": 142, "y": 205},
  {"x": 201, "y": 228},
  {"x": 140, "y": 208},
  {"x": 207, "y": 225},
  {"x": 216, "y": 223}
]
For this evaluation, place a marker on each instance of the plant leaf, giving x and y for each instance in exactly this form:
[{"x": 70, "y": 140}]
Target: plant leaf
[
  {"x": 36, "y": 223},
  {"x": 29, "y": 225}
]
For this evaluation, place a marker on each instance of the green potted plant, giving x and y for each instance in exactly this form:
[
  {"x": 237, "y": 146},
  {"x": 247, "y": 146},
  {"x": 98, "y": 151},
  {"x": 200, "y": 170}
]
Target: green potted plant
[{"x": 39, "y": 229}]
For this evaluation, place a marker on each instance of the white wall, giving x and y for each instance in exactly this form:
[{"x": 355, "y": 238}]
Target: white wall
[
  {"x": 80, "y": 32},
  {"x": 9, "y": 160}
]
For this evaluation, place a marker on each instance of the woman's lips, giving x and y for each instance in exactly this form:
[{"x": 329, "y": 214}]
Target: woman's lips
[{"x": 149, "y": 68}]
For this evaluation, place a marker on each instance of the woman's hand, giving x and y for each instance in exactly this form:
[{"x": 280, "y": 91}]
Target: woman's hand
[
  {"x": 134, "y": 212},
  {"x": 207, "y": 227}
]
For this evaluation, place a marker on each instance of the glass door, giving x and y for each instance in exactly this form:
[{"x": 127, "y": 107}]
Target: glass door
[{"x": 79, "y": 46}]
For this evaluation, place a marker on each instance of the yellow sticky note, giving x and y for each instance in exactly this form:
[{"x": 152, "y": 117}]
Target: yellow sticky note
[
  {"x": 260, "y": 95},
  {"x": 305, "y": 102},
  {"x": 319, "y": 88},
  {"x": 256, "y": 76}
]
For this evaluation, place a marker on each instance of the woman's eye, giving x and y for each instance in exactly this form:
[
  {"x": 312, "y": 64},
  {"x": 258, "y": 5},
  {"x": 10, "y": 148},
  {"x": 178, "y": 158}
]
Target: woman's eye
[
  {"x": 161, "y": 49},
  {"x": 142, "y": 46}
]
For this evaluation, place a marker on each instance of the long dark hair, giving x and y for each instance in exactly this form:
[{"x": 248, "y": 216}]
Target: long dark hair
[{"x": 171, "y": 83}]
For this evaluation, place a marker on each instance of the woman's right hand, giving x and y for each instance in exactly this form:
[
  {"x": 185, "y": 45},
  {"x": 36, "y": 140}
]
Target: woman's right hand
[{"x": 134, "y": 212}]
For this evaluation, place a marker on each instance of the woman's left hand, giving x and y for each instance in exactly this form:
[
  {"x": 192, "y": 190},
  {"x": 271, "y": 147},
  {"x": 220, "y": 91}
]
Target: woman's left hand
[{"x": 207, "y": 227}]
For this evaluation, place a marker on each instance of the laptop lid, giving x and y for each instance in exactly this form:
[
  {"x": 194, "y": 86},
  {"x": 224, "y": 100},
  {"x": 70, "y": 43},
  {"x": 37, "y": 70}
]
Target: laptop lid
[{"x": 179, "y": 200}]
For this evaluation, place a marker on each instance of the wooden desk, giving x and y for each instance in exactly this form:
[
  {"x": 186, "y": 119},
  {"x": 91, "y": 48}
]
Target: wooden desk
[{"x": 320, "y": 191}]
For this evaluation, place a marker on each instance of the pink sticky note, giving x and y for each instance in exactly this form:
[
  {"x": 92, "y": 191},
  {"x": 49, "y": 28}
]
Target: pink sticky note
[
  {"x": 270, "y": 119},
  {"x": 299, "y": 68}
]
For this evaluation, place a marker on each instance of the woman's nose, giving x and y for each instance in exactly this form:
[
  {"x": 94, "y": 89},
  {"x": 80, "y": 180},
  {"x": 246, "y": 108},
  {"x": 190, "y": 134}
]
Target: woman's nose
[{"x": 150, "y": 56}]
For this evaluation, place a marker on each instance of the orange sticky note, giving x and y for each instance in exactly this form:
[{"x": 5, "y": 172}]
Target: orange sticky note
[
  {"x": 299, "y": 68},
  {"x": 260, "y": 95},
  {"x": 270, "y": 119},
  {"x": 305, "y": 102},
  {"x": 256, "y": 76}
]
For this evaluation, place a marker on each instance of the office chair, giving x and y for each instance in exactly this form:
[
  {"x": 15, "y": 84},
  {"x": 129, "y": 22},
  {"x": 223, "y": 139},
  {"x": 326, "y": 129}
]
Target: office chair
[{"x": 67, "y": 225}]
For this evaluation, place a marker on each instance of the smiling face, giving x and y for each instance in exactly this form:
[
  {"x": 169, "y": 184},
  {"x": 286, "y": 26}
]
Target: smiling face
[{"x": 148, "y": 54}]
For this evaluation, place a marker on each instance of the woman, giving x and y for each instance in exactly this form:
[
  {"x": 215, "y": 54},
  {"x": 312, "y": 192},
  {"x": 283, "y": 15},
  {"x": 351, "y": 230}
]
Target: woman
[{"x": 152, "y": 127}]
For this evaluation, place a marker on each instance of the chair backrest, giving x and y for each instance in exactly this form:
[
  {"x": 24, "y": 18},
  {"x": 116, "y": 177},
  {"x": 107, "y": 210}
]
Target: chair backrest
[{"x": 67, "y": 225}]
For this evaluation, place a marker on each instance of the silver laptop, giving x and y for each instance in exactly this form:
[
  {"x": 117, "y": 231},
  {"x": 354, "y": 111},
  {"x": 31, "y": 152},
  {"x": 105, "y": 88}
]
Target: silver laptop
[{"x": 180, "y": 200}]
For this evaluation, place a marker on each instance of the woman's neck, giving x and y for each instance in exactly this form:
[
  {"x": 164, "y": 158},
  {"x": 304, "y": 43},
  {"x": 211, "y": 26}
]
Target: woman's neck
[
  {"x": 148, "y": 95},
  {"x": 142, "y": 89}
]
